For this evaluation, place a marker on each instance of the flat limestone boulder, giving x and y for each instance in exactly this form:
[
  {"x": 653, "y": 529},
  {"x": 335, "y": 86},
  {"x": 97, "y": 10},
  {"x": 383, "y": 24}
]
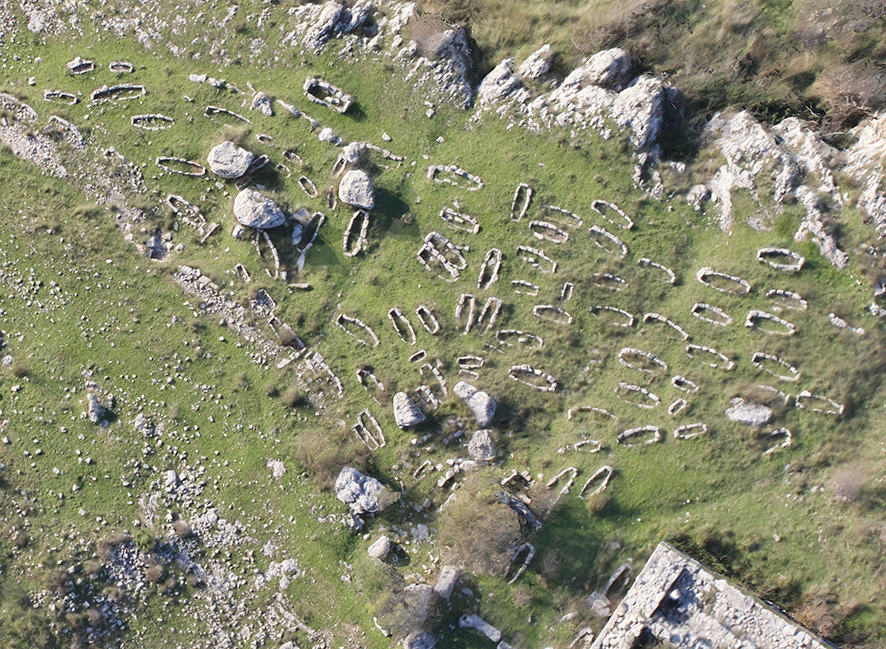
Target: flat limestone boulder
[
  {"x": 358, "y": 491},
  {"x": 746, "y": 412},
  {"x": 446, "y": 582},
  {"x": 420, "y": 639},
  {"x": 255, "y": 211},
  {"x": 227, "y": 160},
  {"x": 481, "y": 405},
  {"x": 406, "y": 413},
  {"x": 481, "y": 447},
  {"x": 381, "y": 548},
  {"x": 356, "y": 189}
]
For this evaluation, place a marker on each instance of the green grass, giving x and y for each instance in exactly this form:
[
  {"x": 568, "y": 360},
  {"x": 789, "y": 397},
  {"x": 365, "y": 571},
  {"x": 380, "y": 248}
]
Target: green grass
[{"x": 718, "y": 491}]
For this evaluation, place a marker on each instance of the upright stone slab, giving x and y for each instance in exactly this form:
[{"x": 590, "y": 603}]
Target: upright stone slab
[{"x": 406, "y": 413}]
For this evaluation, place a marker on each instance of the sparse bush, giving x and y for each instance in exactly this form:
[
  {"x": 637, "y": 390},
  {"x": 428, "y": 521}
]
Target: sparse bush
[
  {"x": 848, "y": 483},
  {"x": 295, "y": 397}
]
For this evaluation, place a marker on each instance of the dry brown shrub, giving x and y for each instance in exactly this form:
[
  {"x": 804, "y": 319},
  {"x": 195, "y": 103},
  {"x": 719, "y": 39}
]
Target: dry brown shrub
[{"x": 848, "y": 482}]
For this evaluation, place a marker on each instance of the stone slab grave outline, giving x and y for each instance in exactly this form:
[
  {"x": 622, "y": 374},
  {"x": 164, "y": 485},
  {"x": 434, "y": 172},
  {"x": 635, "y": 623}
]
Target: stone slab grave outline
[
  {"x": 566, "y": 291},
  {"x": 737, "y": 286},
  {"x": 761, "y": 319},
  {"x": 318, "y": 365},
  {"x": 368, "y": 431},
  {"x": 459, "y": 220},
  {"x": 677, "y": 407},
  {"x": 504, "y": 336},
  {"x": 569, "y": 471},
  {"x": 647, "y": 263},
  {"x": 121, "y": 67},
  {"x": 194, "y": 169},
  {"x": 356, "y": 233},
  {"x": 80, "y": 66},
  {"x": 307, "y": 186},
  {"x": 488, "y": 315},
  {"x": 521, "y": 202},
  {"x": 343, "y": 321},
  {"x": 707, "y": 354},
  {"x": 675, "y": 596},
  {"x": 775, "y": 434},
  {"x": 607, "y": 241},
  {"x": 682, "y": 383},
  {"x": 465, "y": 310},
  {"x": 657, "y": 317},
  {"x": 819, "y": 403},
  {"x": 690, "y": 431},
  {"x": 583, "y": 445},
  {"x": 788, "y": 299},
  {"x": 533, "y": 257},
  {"x": 610, "y": 281},
  {"x": 772, "y": 256},
  {"x": 257, "y": 239},
  {"x": 552, "y": 313},
  {"x": 454, "y": 175},
  {"x": 600, "y": 413},
  {"x": 60, "y": 97},
  {"x": 433, "y": 371},
  {"x": 438, "y": 248},
  {"x": 426, "y": 398},
  {"x": 241, "y": 271},
  {"x": 629, "y": 319},
  {"x": 571, "y": 217},
  {"x": 613, "y": 214},
  {"x": 263, "y": 304},
  {"x": 534, "y": 378},
  {"x": 402, "y": 326},
  {"x": 293, "y": 157},
  {"x": 603, "y": 474},
  {"x": 639, "y": 357},
  {"x": 711, "y": 314},
  {"x": 758, "y": 358},
  {"x": 152, "y": 122},
  {"x": 266, "y": 139},
  {"x": 418, "y": 356},
  {"x": 258, "y": 163},
  {"x": 524, "y": 287},
  {"x": 331, "y": 198},
  {"x": 489, "y": 269},
  {"x": 187, "y": 211},
  {"x": 527, "y": 550},
  {"x": 121, "y": 92},
  {"x": 286, "y": 334},
  {"x": 547, "y": 231},
  {"x": 370, "y": 383},
  {"x": 213, "y": 112},
  {"x": 626, "y": 390},
  {"x": 631, "y": 433},
  {"x": 428, "y": 319},
  {"x": 324, "y": 93}
]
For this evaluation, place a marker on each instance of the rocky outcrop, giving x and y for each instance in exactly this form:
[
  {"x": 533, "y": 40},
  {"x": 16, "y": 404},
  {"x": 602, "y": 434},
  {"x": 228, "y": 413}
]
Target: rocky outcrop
[
  {"x": 227, "y": 160},
  {"x": 356, "y": 189},
  {"x": 406, "y": 413},
  {"x": 320, "y": 23},
  {"x": 255, "y": 211},
  {"x": 95, "y": 410},
  {"x": 359, "y": 492},
  {"x": 481, "y": 405}
]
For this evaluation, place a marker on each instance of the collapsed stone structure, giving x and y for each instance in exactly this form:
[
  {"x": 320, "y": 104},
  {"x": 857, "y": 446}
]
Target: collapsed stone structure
[{"x": 676, "y": 600}]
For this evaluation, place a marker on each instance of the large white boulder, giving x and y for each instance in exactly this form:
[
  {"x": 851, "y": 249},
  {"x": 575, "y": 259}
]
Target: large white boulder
[
  {"x": 255, "y": 211},
  {"x": 227, "y": 160},
  {"x": 406, "y": 413},
  {"x": 748, "y": 412},
  {"x": 356, "y": 189},
  {"x": 481, "y": 405},
  {"x": 358, "y": 491}
]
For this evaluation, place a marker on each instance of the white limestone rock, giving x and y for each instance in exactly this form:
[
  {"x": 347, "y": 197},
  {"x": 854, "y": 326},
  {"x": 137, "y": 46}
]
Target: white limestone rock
[
  {"x": 498, "y": 84},
  {"x": 381, "y": 548},
  {"x": 481, "y": 447},
  {"x": 746, "y": 412},
  {"x": 356, "y": 189},
  {"x": 446, "y": 581},
  {"x": 406, "y": 413},
  {"x": 537, "y": 65},
  {"x": 359, "y": 492},
  {"x": 262, "y": 103},
  {"x": 606, "y": 69},
  {"x": 255, "y": 211},
  {"x": 227, "y": 160},
  {"x": 481, "y": 405}
]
